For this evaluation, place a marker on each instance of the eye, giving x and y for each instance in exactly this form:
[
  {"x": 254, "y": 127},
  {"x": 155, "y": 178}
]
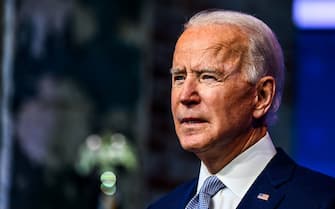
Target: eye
[
  {"x": 178, "y": 78},
  {"x": 208, "y": 77}
]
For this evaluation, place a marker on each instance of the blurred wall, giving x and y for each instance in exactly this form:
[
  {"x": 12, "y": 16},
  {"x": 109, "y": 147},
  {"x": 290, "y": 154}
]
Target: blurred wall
[
  {"x": 77, "y": 87},
  {"x": 314, "y": 103}
]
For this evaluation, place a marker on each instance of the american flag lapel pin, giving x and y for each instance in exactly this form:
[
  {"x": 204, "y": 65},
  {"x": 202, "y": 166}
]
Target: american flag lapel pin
[{"x": 263, "y": 196}]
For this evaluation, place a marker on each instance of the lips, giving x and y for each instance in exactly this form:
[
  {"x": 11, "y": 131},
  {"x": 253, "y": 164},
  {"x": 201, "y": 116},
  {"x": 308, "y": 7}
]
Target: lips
[{"x": 192, "y": 120}]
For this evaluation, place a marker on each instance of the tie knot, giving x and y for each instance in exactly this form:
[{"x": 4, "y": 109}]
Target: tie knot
[
  {"x": 211, "y": 186},
  {"x": 202, "y": 200}
]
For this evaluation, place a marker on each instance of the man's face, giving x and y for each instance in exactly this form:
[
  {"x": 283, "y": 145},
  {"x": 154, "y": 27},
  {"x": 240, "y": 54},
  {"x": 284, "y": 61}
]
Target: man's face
[{"x": 211, "y": 100}]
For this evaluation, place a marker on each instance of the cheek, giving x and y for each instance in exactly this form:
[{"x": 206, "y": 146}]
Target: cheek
[
  {"x": 231, "y": 106},
  {"x": 240, "y": 111},
  {"x": 172, "y": 99},
  {"x": 173, "y": 103}
]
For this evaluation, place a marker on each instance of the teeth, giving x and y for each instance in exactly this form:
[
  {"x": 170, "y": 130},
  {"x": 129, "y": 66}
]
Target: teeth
[{"x": 192, "y": 121}]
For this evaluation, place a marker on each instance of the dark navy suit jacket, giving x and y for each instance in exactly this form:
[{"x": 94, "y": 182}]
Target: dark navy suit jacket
[{"x": 288, "y": 185}]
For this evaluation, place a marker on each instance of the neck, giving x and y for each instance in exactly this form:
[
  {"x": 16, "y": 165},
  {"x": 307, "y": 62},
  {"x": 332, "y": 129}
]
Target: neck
[{"x": 219, "y": 156}]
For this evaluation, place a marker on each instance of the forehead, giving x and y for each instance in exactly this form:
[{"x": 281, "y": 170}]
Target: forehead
[
  {"x": 205, "y": 36},
  {"x": 210, "y": 43}
]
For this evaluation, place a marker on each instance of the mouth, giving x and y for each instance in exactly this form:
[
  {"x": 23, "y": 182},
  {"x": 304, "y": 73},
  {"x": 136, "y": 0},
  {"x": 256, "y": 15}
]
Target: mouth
[{"x": 191, "y": 120}]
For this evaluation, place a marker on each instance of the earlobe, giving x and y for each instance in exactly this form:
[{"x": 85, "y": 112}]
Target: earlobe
[{"x": 265, "y": 92}]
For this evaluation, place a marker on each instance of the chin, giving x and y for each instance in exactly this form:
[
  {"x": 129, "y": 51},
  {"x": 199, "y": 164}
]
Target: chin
[{"x": 192, "y": 145}]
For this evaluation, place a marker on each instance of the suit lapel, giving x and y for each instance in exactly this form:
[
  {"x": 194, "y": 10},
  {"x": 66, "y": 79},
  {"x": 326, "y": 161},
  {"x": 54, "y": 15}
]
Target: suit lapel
[
  {"x": 186, "y": 195},
  {"x": 178, "y": 198},
  {"x": 263, "y": 196},
  {"x": 266, "y": 192}
]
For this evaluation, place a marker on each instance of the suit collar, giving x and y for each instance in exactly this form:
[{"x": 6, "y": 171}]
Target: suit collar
[
  {"x": 265, "y": 192},
  {"x": 280, "y": 169}
]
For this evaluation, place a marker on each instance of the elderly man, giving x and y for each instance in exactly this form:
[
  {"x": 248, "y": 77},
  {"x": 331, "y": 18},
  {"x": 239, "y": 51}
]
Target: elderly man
[{"x": 227, "y": 81}]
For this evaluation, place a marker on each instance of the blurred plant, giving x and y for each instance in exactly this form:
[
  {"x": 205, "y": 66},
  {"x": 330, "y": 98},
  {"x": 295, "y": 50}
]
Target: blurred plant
[{"x": 106, "y": 153}]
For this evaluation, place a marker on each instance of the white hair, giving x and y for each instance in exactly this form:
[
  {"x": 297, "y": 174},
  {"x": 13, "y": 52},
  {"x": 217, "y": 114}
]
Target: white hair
[{"x": 265, "y": 56}]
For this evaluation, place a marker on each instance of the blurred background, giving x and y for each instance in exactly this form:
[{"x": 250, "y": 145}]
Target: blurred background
[{"x": 85, "y": 88}]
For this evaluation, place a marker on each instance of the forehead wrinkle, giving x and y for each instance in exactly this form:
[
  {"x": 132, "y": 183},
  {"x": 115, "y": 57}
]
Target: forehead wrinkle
[
  {"x": 225, "y": 47},
  {"x": 230, "y": 53}
]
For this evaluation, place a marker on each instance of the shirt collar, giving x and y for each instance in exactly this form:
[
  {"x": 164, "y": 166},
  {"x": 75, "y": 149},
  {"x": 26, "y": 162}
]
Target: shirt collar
[{"x": 242, "y": 171}]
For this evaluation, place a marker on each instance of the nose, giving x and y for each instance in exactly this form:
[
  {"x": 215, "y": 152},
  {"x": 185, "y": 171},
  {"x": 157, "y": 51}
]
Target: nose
[{"x": 189, "y": 95}]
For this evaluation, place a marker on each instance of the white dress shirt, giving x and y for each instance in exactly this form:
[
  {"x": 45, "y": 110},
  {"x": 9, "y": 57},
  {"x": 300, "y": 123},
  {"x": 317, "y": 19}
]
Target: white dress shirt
[{"x": 239, "y": 174}]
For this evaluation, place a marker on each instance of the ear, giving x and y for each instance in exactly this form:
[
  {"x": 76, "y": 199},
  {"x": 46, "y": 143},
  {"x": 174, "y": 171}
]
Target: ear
[{"x": 266, "y": 87}]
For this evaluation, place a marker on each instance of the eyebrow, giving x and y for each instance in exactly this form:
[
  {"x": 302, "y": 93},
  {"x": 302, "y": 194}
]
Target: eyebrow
[
  {"x": 177, "y": 70},
  {"x": 209, "y": 70},
  {"x": 203, "y": 70}
]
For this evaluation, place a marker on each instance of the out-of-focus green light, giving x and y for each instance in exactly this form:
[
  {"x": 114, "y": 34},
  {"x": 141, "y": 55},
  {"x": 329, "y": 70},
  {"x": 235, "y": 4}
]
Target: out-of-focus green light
[
  {"x": 108, "y": 190},
  {"x": 108, "y": 178},
  {"x": 108, "y": 185}
]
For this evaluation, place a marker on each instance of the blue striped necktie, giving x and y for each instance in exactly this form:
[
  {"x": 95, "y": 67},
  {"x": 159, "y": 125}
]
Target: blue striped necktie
[{"x": 202, "y": 200}]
